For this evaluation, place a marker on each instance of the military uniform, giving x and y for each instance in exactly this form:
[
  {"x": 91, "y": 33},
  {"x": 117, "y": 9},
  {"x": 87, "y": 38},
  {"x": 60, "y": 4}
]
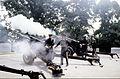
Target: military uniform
[
  {"x": 64, "y": 47},
  {"x": 84, "y": 43},
  {"x": 49, "y": 43},
  {"x": 93, "y": 43}
]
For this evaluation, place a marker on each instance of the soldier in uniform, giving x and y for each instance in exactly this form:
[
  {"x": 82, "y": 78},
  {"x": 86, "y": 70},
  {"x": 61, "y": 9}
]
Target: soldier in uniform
[
  {"x": 93, "y": 44},
  {"x": 84, "y": 44},
  {"x": 49, "y": 43},
  {"x": 64, "y": 46}
]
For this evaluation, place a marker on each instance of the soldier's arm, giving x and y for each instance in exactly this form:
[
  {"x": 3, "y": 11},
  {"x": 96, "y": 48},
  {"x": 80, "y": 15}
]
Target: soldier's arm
[{"x": 57, "y": 44}]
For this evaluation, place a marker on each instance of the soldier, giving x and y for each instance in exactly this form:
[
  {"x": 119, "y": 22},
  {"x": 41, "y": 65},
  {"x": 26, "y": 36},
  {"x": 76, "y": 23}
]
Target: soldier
[
  {"x": 49, "y": 43},
  {"x": 84, "y": 44},
  {"x": 64, "y": 46},
  {"x": 93, "y": 43}
]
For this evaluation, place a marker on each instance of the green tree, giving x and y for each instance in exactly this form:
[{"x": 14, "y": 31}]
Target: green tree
[
  {"x": 109, "y": 12},
  {"x": 71, "y": 16}
]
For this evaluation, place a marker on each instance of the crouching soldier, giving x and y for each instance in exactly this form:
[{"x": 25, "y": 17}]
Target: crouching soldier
[{"x": 64, "y": 46}]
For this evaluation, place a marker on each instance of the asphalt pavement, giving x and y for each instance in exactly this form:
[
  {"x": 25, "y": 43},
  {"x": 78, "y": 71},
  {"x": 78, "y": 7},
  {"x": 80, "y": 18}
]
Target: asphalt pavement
[{"x": 76, "y": 68}]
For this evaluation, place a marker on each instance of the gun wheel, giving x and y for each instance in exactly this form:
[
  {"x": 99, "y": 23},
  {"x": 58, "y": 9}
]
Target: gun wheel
[{"x": 28, "y": 59}]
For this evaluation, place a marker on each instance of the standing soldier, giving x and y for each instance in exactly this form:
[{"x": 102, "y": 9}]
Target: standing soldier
[
  {"x": 84, "y": 43},
  {"x": 64, "y": 46},
  {"x": 93, "y": 43},
  {"x": 49, "y": 43}
]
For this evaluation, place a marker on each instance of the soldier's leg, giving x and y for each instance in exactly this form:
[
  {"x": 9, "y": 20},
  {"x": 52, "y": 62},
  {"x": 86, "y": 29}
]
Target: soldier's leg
[
  {"x": 47, "y": 50},
  {"x": 82, "y": 52},
  {"x": 93, "y": 53},
  {"x": 85, "y": 52},
  {"x": 62, "y": 52},
  {"x": 66, "y": 57},
  {"x": 61, "y": 60}
]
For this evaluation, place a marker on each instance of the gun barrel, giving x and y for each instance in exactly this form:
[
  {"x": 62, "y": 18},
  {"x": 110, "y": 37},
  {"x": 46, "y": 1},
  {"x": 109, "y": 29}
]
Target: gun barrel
[{"x": 31, "y": 74}]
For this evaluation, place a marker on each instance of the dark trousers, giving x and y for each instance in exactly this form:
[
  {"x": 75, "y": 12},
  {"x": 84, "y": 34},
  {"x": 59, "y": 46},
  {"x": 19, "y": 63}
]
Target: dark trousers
[
  {"x": 84, "y": 51},
  {"x": 64, "y": 53},
  {"x": 94, "y": 51}
]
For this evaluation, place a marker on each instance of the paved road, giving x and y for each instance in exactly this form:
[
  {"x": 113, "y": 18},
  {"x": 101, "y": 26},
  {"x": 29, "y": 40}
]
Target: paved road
[{"x": 76, "y": 69}]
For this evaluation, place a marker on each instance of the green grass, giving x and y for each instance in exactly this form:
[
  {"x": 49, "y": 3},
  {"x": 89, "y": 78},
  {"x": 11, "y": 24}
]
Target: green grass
[{"x": 4, "y": 53}]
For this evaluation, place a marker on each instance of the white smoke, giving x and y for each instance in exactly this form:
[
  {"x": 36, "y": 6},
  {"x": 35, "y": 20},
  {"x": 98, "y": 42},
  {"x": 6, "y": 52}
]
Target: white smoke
[
  {"x": 27, "y": 25},
  {"x": 21, "y": 46},
  {"x": 25, "y": 46},
  {"x": 34, "y": 49}
]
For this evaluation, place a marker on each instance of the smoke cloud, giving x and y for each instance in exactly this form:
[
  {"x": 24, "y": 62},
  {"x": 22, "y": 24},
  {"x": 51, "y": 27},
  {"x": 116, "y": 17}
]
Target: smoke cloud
[
  {"x": 27, "y": 25},
  {"x": 33, "y": 49}
]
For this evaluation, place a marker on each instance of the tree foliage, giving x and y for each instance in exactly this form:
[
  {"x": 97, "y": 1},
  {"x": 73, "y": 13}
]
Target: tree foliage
[
  {"x": 72, "y": 17},
  {"x": 109, "y": 12}
]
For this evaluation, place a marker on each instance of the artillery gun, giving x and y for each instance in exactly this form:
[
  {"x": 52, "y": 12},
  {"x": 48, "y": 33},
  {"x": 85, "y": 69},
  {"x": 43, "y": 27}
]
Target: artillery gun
[
  {"x": 40, "y": 52},
  {"x": 31, "y": 74}
]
